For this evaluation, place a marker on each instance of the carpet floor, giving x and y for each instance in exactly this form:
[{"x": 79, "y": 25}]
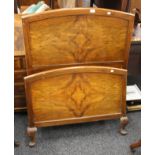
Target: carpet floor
[{"x": 98, "y": 138}]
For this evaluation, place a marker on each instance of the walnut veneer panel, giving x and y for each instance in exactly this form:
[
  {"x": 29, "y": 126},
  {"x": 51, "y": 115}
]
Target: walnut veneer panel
[
  {"x": 75, "y": 93},
  {"x": 72, "y": 39},
  {"x": 77, "y": 39},
  {"x": 77, "y": 36}
]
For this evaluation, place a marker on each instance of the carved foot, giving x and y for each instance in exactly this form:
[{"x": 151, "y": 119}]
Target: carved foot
[
  {"x": 123, "y": 123},
  {"x": 31, "y": 133}
]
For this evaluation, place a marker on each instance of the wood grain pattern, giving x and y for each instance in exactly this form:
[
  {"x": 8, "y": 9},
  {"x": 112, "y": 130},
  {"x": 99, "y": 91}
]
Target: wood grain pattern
[
  {"x": 81, "y": 92},
  {"x": 79, "y": 42},
  {"x": 19, "y": 65},
  {"x": 77, "y": 36}
]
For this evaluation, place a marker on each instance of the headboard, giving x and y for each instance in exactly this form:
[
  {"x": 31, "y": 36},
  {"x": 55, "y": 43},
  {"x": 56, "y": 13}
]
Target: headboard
[{"x": 79, "y": 36}]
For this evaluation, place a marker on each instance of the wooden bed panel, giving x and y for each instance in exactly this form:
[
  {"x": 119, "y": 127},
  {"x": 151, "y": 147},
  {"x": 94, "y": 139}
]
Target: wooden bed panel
[
  {"x": 76, "y": 39},
  {"x": 77, "y": 36},
  {"x": 79, "y": 42},
  {"x": 79, "y": 93}
]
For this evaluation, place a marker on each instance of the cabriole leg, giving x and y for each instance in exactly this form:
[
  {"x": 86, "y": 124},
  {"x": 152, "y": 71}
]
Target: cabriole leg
[
  {"x": 123, "y": 123},
  {"x": 31, "y": 131}
]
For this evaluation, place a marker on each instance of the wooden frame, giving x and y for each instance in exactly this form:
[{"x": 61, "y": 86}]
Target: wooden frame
[
  {"x": 71, "y": 46},
  {"x": 104, "y": 49},
  {"x": 46, "y": 112}
]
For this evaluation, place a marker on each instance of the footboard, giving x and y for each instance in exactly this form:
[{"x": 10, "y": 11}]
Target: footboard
[{"x": 75, "y": 94}]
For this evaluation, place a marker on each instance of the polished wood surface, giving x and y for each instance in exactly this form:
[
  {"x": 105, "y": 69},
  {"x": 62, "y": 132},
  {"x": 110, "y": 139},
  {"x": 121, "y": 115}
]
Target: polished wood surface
[
  {"x": 75, "y": 45},
  {"x": 19, "y": 65},
  {"x": 77, "y": 36},
  {"x": 84, "y": 93}
]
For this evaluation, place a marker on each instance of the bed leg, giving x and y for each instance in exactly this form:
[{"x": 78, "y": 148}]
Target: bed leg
[
  {"x": 31, "y": 131},
  {"x": 123, "y": 124}
]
